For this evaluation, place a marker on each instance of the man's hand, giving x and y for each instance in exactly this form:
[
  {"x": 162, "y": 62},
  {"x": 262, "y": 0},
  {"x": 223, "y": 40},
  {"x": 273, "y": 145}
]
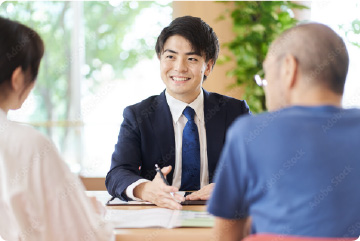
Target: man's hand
[
  {"x": 203, "y": 194},
  {"x": 158, "y": 192}
]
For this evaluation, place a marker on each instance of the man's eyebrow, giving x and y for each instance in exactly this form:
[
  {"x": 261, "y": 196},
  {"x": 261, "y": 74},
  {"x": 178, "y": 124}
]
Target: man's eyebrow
[
  {"x": 193, "y": 53},
  {"x": 171, "y": 51},
  {"x": 189, "y": 53}
]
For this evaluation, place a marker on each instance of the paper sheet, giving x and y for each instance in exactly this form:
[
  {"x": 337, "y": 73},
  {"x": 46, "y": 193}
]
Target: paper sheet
[
  {"x": 118, "y": 202},
  {"x": 159, "y": 217}
]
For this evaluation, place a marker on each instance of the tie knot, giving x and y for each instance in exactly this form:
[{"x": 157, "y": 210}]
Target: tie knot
[{"x": 189, "y": 113}]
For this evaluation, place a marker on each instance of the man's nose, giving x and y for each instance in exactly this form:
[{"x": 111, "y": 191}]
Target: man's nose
[{"x": 181, "y": 65}]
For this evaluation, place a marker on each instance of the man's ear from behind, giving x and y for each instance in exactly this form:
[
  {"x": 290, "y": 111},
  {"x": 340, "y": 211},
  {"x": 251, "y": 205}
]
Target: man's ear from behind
[{"x": 289, "y": 71}]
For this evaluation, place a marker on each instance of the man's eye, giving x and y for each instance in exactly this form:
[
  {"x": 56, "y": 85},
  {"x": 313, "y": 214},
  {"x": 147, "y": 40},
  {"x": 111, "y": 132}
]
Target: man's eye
[
  {"x": 169, "y": 57},
  {"x": 193, "y": 59}
]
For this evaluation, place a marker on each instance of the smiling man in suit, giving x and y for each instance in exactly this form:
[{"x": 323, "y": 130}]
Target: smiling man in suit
[{"x": 182, "y": 129}]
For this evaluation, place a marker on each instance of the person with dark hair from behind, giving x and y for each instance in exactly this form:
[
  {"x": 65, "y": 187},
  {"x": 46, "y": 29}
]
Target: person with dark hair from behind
[
  {"x": 294, "y": 170},
  {"x": 182, "y": 129},
  {"x": 40, "y": 199}
]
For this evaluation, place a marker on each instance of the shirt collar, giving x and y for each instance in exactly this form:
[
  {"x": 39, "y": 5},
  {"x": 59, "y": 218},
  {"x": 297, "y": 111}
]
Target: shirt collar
[{"x": 177, "y": 106}]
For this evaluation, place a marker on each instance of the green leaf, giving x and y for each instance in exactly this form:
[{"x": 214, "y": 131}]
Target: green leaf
[{"x": 256, "y": 25}]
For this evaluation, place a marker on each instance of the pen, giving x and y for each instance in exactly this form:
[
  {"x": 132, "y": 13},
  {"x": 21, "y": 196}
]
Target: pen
[
  {"x": 111, "y": 199},
  {"x": 157, "y": 168}
]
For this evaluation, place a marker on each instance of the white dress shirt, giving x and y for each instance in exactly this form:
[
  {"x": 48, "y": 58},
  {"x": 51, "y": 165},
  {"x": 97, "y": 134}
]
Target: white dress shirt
[
  {"x": 179, "y": 121},
  {"x": 40, "y": 199}
]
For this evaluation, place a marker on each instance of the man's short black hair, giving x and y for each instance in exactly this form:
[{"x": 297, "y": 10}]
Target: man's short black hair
[{"x": 201, "y": 36}]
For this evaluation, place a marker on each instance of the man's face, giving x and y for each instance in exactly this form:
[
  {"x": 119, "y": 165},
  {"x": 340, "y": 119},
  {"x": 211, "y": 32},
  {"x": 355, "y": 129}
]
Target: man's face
[
  {"x": 182, "y": 70},
  {"x": 273, "y": 90}
]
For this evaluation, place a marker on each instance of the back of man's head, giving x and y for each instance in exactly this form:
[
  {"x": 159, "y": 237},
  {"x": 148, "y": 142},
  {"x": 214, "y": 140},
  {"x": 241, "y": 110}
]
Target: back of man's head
[{"x": 320, "y": 52}]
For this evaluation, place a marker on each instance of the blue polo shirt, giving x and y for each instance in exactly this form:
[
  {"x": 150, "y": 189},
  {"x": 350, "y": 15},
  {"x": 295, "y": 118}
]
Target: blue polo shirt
[{"x": 295, "y": 172}]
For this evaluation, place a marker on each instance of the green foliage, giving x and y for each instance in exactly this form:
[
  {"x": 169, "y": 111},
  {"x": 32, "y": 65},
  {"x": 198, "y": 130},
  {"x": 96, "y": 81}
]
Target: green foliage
[
  {"x": 256, "y": 25},
  {"x": 352, "y": 32},
  {"x": 105, "y": 26},
  {"x": 105, "y": 30},
  {"x": 47, "y": 18}
]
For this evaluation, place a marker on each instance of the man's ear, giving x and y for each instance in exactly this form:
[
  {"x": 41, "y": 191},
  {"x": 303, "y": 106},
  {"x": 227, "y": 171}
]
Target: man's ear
[
  {"x": 289, "y": 71},
  {"x": 17, "y": 79},
  {"x": 209, "y": 67}
]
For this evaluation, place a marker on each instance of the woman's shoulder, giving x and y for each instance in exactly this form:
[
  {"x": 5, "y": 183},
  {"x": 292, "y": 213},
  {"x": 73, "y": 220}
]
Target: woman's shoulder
[{"x": 20, "y": 135}]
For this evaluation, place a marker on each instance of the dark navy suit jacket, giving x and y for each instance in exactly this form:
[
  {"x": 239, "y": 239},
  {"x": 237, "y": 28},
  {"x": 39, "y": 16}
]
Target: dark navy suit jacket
[{"x": 147, "y": 137}]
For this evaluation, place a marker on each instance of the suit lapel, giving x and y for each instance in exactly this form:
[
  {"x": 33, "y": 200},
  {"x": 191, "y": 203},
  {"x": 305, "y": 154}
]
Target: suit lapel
[
  {"x": 215, "y": 124},
  {"x": 162, "y": 124}
]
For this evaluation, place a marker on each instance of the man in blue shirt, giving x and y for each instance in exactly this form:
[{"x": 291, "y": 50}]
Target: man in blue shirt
[{"x": 294, "y": 170}]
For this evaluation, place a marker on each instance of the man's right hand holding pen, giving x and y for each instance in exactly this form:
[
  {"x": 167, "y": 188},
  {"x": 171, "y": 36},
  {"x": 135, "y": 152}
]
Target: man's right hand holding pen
[{"x": 159, "y": 193}]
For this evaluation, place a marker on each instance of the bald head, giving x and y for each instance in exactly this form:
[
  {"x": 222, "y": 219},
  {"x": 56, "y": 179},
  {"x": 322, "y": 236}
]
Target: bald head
[{"x": 320, "y": 52}]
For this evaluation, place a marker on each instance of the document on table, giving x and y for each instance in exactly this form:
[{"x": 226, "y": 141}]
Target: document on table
[
  {"x": 159, "y": 217},
  {"x": 117, "y": 202}
]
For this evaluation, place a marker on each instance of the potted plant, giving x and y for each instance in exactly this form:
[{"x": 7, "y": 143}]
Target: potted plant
[{"x": 256, "y": 25}]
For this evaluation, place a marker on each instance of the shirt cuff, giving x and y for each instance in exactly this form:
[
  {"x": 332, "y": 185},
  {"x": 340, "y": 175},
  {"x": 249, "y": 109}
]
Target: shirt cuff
[{"x": 130, "y": 189}]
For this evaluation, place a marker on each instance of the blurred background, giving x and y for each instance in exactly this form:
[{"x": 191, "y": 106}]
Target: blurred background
[{"x": 100, "y": 58}]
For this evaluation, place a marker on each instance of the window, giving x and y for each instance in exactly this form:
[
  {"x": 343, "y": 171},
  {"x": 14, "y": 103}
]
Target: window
[
  {"x": 343, "y": 17},
  {"x": 99, "y": 59}
]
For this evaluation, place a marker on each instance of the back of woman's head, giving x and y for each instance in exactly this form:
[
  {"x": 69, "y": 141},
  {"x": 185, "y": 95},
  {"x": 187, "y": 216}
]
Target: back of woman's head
[{"x": 20, "y": 46}]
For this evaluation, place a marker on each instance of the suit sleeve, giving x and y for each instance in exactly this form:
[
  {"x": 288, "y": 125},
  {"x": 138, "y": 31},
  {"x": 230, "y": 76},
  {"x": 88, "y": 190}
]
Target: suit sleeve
[
  {"x": 236, "y": 109},
  {"x": 126, "y": 158},
  {"x": 245, "y": 109}
]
